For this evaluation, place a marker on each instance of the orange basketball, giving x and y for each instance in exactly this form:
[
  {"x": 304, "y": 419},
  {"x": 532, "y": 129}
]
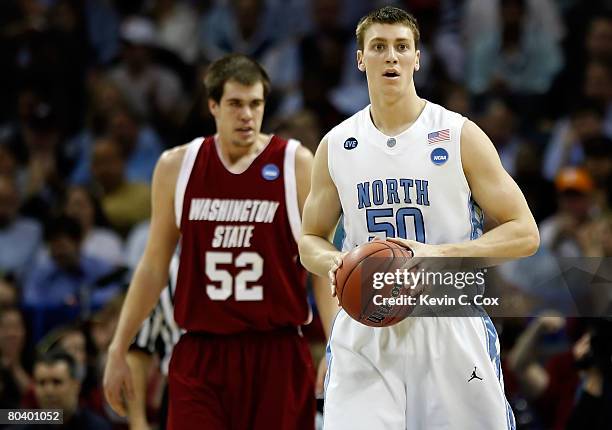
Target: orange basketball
[{"x": 355, "y": 283}]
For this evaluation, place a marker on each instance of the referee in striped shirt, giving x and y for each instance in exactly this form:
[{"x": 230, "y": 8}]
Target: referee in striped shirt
[{"x": 158, "y": 335}]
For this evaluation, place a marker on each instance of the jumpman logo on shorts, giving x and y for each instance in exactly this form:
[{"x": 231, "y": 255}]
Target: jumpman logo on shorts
[{"x": 474, "y": 375}]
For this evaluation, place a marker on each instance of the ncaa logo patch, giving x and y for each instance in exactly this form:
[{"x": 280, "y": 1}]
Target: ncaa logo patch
[
  {"x": 439, "y": 156},
  {"x": 350, "y": 143},
  {"x": 270, "y": 172}
]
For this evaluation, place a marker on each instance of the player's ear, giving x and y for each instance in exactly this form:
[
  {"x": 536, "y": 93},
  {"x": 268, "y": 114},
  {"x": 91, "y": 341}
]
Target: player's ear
[
  {"x": 213, "y": 106},
  {"x": 417, "y": 61},
  {"x": 360, "y": 63}
]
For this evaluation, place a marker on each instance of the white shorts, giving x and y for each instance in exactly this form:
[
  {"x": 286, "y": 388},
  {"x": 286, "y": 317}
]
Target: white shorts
[{"x": 423, "y": 373}]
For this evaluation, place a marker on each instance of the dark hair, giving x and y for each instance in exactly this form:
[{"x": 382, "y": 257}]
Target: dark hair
[
  {"x": 387, "y": 15},
  {"x": 100, "y": 219},
  {"x": 56, "y": 356},
  {"x": 598, "y": 147},
  {"x": 586, "y": 106},
  {"x": 602, "y": 15},
  {"x": 127, "y": 110},
  {"x": 234, "y": 67},
  {"x": 108, "y": 139},
  {"x": 63, "y": 225}
]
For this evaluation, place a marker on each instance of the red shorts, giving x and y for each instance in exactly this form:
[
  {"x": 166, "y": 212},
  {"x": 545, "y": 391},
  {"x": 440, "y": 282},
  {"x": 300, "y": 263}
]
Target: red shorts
[{"x": 248, "y": 381}]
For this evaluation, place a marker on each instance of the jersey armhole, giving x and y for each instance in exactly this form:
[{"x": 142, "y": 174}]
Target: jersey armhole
[
  {"x": 291, "y": 197},
  {"x": 329, "y": 158},
  {"x": 475, "y": 217},
  {"x": 183, "y": 178},
  {"x": 460, "y": 124}
]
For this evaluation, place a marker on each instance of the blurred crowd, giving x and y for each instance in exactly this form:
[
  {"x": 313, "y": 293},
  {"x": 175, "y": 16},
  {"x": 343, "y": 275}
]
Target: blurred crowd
[{"x": 94, "y": 90}]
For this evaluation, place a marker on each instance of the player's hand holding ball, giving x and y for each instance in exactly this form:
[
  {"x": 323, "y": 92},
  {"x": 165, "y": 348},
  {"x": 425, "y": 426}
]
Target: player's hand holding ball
[
  {"x": 360, "y": 287},
  {"x": 332, "y": 273}
]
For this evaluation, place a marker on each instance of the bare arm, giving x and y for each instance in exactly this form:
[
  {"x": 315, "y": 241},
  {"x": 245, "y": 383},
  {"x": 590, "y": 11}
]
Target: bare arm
[
  {"x": 325, "y": 303},
  {"x": 321, "y": 213},
  {"x": 516, "y": 234},
  {"x": 139, "y": 363},
  {"x": 149, "y": 278},
  {"x": 532, "y": 376},
  {"x": 500, "y": 198}
]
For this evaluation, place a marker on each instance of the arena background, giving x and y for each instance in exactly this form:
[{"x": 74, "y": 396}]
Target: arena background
[{"x": 92, "y": 91}]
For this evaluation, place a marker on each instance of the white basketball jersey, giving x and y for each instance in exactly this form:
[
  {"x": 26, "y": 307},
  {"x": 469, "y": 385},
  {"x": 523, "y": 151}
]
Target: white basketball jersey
[{"x": 411, "y": 185}]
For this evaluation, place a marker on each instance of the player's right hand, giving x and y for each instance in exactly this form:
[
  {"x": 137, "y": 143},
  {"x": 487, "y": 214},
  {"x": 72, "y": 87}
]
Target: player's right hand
[
  {"x": 117, "y": 382},
  {"x": 337, "y": 263}
]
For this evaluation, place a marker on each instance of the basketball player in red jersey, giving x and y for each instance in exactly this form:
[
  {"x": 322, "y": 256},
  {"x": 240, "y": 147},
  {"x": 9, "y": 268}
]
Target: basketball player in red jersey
[{"x": 234, "y": 200}]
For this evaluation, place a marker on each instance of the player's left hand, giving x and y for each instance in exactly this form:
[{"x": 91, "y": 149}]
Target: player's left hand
[
  {"x": 320, "y": 381},
  {"x": 117, "y": 383},
  {"x": 424, "y": 256},
  {"x": 418, "y": 249}
]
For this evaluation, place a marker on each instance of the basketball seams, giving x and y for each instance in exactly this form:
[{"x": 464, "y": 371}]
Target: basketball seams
[
  {"x": 396, "y": 251},
  {"x": 356, "y": 265},
  {"x": 389, "y": 264}
]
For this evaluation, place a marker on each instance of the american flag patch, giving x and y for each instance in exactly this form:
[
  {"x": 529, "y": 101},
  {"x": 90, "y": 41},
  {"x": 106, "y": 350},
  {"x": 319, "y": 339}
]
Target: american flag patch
[{"x": 438, "y": 136}]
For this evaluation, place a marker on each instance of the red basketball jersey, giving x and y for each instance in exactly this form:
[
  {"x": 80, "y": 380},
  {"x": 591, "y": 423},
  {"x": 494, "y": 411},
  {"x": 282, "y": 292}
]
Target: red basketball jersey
[{"x": 239, "y": 267}]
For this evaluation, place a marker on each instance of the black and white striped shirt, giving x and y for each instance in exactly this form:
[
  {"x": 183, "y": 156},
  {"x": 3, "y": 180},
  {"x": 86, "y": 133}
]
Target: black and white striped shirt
[{"x": 159, "y": 332}]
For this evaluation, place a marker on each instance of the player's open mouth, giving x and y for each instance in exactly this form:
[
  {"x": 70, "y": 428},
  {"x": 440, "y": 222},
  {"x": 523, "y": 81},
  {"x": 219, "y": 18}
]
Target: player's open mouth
[
  {"x": 391, "y": 74},
  {"x": 244, "y": 130}
]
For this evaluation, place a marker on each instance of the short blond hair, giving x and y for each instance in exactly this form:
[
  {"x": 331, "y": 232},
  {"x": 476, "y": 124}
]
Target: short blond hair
[{"x": 387, "y": 15}]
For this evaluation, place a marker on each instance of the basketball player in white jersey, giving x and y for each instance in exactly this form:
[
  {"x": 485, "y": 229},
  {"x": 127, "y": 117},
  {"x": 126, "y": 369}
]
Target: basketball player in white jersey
[{"x": 406, "y": 168}]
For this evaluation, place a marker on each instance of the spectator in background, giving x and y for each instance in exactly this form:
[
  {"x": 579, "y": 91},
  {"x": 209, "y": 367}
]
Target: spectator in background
[
  {"x": 456, "y": 98},
  {"x": 259, "y": 29},
  {"x": 584, "y": 122},
  {"x": 595, "y": 45},
  {"x": 58, "y": 288},
  {"x": 539, "y": 192},
  {"x": 9, "y": 293},
  {"x": 46, "y": 161},
  {"x": 139, "y": 142},
  {"x": 102, "y": 29},
  {"x": 592, "y": 409},
  {"x": 125, "y": 203},
  {"x": 104, "y": 97},
  {"x": 598, "y": 40},
  {"x": 303, "y": 126},
  {"x": 596, "y": 241},
  {"x": 152, "y": 91},
  {"x": 510, "y": 57},
  {"x": 9, "y": 164},
  {"x": 135, "y": 244},
  {"x": 501, "y": 125},
  {"x": 483, "y": 16},
  {"x": 321, "y": 53},
  {"x": 598, "y": 162},
  {"x": 75, "y": 339},
  {"x": 67, "y": 25},
  {"x": 20, "y": 237},
  {"x": 598, "y": 86},
  {"x": 550, "y": 387},
  {"x": 15, "y": 364},
  {"x": 558, "y": 233},
  {"x": 177, "y": 28},
  {"x": 57, "y": 386},
  {"x": 98, "y": 240},
  {"x": 447, "y": 42}
]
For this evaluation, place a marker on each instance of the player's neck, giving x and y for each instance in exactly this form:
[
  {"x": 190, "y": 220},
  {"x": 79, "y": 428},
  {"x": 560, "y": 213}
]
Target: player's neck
[
  {"x": 394, "y": 115},
  {"x": 237, "y": 157}
]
